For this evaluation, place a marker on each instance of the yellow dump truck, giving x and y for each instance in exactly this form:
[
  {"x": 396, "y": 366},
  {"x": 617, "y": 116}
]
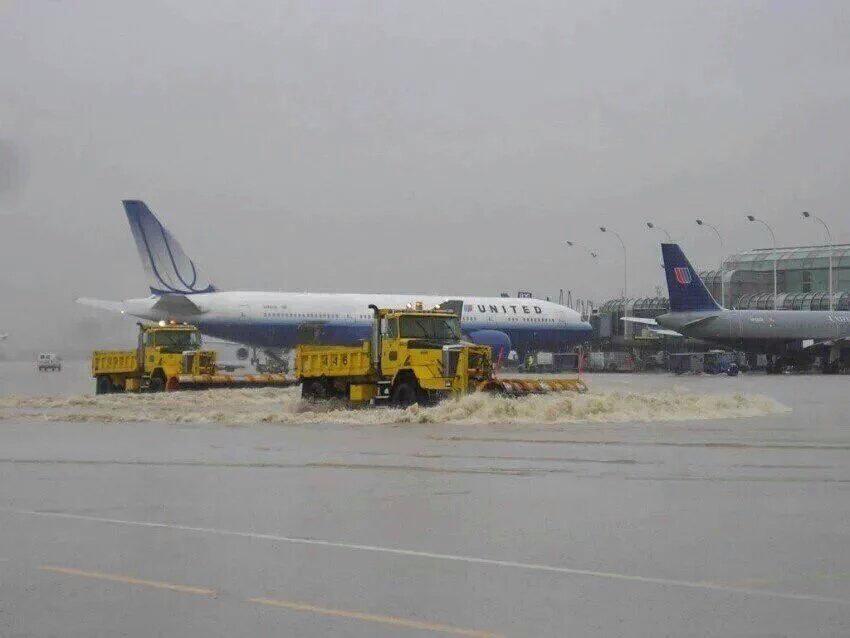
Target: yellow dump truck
[
  {"x": 168, "y": 356},
  {"x": 413, "y": 356}
]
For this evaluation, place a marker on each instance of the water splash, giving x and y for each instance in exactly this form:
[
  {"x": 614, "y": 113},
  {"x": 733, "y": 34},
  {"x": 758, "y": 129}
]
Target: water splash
[{"x": 275, "y": 405}]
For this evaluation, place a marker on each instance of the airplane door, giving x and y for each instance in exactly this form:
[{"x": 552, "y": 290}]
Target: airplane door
[{"x": 244, "y": 311}]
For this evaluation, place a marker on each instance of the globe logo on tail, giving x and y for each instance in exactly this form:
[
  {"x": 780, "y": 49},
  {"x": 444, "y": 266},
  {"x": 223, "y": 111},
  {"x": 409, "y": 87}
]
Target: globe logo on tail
[{"x": 683, "y": 276}]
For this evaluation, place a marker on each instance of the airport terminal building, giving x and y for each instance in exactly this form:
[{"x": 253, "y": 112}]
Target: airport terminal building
[
  {"x": 802, "y": 282},
  {"x": 802, "y": 278}
]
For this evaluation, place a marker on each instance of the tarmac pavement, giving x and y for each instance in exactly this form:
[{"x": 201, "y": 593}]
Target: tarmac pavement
[{"x": 703, "y": 528}]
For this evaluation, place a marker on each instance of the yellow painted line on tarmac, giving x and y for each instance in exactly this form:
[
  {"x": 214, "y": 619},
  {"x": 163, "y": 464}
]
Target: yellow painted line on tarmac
[
  {"x": 376, "y": 618},
  {"x": 129, "y": 580},
  {"x": 458, "y": 558}
]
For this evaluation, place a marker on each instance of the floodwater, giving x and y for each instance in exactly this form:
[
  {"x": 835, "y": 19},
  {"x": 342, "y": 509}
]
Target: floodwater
[
  {"x": 66, "y": 396},
  {"x": 653, "y": 506},
  {"x": 22, "y": 378}
]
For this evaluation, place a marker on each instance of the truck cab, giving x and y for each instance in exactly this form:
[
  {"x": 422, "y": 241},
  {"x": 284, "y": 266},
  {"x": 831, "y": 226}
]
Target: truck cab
[
  {"x": 171, "y": 339},
  {"x": 425, "y": 350},
  {"x": 172, "y": 350},
  {"x": 402, "y": 332}
]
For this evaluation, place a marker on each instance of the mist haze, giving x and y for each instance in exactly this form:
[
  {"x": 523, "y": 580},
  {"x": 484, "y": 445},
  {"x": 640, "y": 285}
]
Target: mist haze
[{"x": 428, "y": 147}]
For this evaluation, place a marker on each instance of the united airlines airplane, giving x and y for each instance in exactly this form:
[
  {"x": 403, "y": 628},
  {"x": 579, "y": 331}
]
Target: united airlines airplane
[
  {"x": 788, "y": 336},
  {"x": 280, "y": 320}
]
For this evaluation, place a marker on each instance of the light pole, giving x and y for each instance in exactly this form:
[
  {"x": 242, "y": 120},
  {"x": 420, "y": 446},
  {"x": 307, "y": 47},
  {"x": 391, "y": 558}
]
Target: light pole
[
  {"x": 806, "y": 215},
  {"x": 652, "y": 226},
  {"x": 573, "y": 244},
  {"x": 753, "y": 218},
  {"x": 625, "y": 260},
  {"x": 701, "y": 222}
]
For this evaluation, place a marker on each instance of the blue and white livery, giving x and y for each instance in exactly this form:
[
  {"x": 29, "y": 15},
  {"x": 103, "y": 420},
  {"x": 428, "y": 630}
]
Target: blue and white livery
[
  {"x": 280, "y": 320},
  {"x": 168, "y": 268}
]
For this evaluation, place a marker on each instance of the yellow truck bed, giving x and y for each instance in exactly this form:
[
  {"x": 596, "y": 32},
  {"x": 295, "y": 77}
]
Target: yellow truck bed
[
  {"x": 114, "y": 362},
  {"x": 333, "y": 361}
]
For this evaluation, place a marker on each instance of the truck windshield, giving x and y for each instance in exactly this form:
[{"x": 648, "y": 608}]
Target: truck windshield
[
  {"x": 441, "y": 328},
  {"x": 177, "y": 340}
]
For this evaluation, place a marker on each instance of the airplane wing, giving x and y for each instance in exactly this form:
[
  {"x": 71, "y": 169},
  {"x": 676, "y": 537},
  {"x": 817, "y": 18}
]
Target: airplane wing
[
  {"x": 102, "y": 304},
  {"x": 652, "y": 324},
  {"x": 644, "y": 320},
  {"x": 177, "y": 304},
  {"x": 453, "y": 305},
  {"x": 666, "y": 332},
  {"x": 696, "y": 322}
]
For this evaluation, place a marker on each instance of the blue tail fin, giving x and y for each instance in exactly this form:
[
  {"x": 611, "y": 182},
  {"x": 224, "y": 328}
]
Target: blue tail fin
[
  {"x": 169, "y": 269},
  {"x": 686, "y": 289}
]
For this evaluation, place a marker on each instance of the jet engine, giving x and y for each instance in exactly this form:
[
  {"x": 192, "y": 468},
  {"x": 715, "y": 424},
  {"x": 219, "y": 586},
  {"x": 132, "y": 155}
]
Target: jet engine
[{"x": 496, "y": 339}]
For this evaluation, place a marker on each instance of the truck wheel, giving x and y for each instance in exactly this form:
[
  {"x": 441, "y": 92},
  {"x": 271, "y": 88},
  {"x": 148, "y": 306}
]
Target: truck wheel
[
  {"x": 157, "y": 383},
  {"x": 428, "y": 399},
  {"x": 404, "y": 394},
  {"x": 103, "y": 385},
  {"x": 313, "y": 390}
]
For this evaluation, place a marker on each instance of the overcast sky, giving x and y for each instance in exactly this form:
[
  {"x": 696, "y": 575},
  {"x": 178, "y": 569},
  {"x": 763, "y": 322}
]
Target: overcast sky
[{"x": 408, "y": 146}]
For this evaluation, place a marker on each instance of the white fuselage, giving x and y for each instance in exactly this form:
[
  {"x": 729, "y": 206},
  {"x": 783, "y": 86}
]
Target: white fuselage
[{"x": 275, "y": 319}]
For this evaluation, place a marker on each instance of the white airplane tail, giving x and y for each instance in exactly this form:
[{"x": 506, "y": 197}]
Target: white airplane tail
[{"x": 169, "y": 269}]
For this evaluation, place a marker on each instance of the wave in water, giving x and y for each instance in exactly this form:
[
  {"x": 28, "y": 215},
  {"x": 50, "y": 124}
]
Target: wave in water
[{"x": 275, "y": 405}]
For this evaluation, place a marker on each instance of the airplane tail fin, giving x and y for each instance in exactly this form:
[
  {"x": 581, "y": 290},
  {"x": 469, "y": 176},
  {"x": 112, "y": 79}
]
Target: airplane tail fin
[
  {"x": 169, "y": 269},
  {"x": 687, "y": 291}
]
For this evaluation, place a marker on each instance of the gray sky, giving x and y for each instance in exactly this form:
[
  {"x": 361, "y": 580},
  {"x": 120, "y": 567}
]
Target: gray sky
[{"x": 408, "y": 146}]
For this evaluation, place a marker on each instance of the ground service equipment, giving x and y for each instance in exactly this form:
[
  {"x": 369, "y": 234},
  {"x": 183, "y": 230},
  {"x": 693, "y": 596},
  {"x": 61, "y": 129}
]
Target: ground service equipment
[
  {"x": 413, "y": 356},
  {"x": 49, "y": 361},
  {"x": 168, "y": 356}
]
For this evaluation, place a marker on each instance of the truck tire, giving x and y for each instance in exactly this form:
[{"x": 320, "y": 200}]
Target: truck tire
[
  {"x": 428, "y": 399},
  {"x": 103, "y": 385},
  {"x": 313, "y": 390},
  {"x": 157, "y": 383},
  {"x": 405, "y": 394}
]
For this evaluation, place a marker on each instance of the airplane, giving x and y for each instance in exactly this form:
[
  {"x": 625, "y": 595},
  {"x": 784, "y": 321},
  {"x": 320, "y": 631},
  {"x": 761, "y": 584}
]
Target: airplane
[
  {"x": 4, "y": 336},
  {"x": 276, "y": 321},
  {"x": 786, "y": 335}
]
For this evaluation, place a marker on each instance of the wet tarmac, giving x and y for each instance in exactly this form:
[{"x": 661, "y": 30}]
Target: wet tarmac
[{"x": 703, "y": 527}]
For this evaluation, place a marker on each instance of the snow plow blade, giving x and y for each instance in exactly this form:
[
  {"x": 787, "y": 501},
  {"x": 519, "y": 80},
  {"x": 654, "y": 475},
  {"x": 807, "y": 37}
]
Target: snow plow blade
[
  {"x": 204, "y": 381},
  {"x": 522, "y": 387}
]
